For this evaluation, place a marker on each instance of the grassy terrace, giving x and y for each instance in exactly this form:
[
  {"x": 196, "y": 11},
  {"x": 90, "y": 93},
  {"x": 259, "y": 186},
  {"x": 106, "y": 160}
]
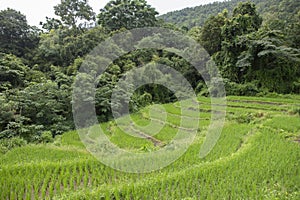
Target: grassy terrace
[{"x": 256, "y": 157}]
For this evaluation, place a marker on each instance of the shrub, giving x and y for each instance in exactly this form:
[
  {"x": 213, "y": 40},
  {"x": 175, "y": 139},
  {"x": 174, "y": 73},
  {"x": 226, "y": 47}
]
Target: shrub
[
  {"x": 47, "y": 137},
  {"x": 8, "y": 144},
  {"x": 57, "y": 141},
  {"x": 247, "y": 89}
]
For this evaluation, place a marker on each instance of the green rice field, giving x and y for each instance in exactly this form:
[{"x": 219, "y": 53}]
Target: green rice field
[{"x": 256, "y": 157}]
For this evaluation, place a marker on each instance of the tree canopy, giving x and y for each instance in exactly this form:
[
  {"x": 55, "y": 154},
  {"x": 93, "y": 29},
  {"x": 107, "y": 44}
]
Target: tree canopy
[
  {"x": 211, "y": 33},
  {"x": 75, "y": 13},
  {"x": 127, "y": 14},
  {"x": 16, "y": 36}
]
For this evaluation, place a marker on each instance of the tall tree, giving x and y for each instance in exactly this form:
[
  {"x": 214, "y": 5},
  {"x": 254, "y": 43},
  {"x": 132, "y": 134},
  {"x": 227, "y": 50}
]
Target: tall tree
[
  {"x": 294, "y": 31},
  {"x": 74, "y": 13},
  {"x": 16, "y": 36},
  {"x": 12, "y": 72},
  {"x": 245, "y": 20},
  {"x": 268, "y": 62},
  {"x": 50, "y": 24},
  {"x": 211, "y": 32},
  {"x": 127, "y": 14},
  {"x": 60, "y": 47}
]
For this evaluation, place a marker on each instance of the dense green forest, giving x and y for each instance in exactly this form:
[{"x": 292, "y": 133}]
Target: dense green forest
[
  {"x": 274, "y": 10},
  {"x": 256, "y": 48}
]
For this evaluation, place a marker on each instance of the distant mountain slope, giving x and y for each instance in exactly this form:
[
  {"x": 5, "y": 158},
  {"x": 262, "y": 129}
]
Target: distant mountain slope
[{"x": 196, "y": 16}]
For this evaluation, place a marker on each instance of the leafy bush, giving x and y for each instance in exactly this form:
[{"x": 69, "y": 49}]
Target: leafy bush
[
  {"x": 8, "y": 144},
  {"x": 46, "y": 137},
  {"x": 57, "y": 140},
  {"x": 247, "y": 117},
  {"x": 247, "y": 89},
  {"x": 268, "y": 94}
]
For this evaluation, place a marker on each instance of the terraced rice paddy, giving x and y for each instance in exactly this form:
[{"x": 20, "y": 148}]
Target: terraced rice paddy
[{"x": 256, "y": 157}]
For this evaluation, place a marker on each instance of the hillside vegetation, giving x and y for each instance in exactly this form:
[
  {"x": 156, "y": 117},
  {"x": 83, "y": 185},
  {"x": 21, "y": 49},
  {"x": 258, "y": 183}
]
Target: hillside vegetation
[
  {"x": 196, "y": 16},
  {"x": 255, "y": 55},
  {"x": 49, "y": 75}
]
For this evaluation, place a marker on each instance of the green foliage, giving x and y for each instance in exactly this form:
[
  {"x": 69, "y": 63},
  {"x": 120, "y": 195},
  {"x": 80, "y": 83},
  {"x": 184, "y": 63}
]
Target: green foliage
[
  {"x": 38, "y": 107},
  {"x": 6, "y": 112},
  {"x": 73, "y": 12},
  {"x": 245, "y": 19},
  {"x": 12, "y": 72},
  {"x": 197, "y": 16},
  {"x": 139, "y": 101},
  {"x": 255, "y": 57},
  {"x": 279, "y": 16},
  {"x": 242, "y": 23},
  {"x": 244, "y": 118},
  {"x": 16, "y": 36},
  {"x": 211, "y": 33},
  {"x": 11, "y": 143},
  {"x": 60, "y": 47},
  {"x": 46, "y": 137},
  {"x": 277, "y": 10},
  {"x": 269, "y": 61},
  {"x": 127, "y": 14},
  {"x": 51, "y": 24},
  {"x": 47, "y": 104},
  {"x": 294, "y": 31},
  {"x": 246, "y": 89}
]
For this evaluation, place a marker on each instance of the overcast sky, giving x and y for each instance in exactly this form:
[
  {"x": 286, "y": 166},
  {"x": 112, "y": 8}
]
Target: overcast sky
[{"x": 37, "y": 10}]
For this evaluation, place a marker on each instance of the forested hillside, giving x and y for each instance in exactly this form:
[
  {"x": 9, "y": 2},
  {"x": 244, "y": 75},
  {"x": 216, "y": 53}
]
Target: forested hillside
[
  {"x": 196, "y": 16},
  {"x": 255, "y": 53},
  {"x": 251, "y": 141}
]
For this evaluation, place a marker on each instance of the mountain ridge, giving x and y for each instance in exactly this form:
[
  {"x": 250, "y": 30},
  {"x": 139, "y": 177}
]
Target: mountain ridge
[{"x": 196, "y": 16}]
